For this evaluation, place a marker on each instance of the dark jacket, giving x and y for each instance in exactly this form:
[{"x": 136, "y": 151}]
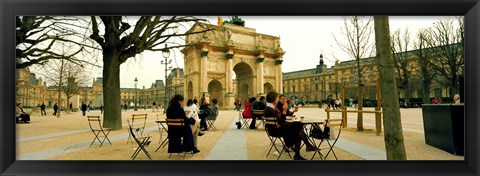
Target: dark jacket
[
  {"x": 204, "y": 111},
  {"x": 213, "y": 113},
  {"x": 84, "y": 107},
  {"x": 175, "y": 134},
  {"x": 289, "y": 131},
  {"x": 260, "y": 105},
  {"x": 55, "y": 107}
]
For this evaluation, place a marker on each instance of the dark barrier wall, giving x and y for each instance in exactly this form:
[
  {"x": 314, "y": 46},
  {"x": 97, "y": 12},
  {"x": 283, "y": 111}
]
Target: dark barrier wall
[{"x": 444, "y": 126}]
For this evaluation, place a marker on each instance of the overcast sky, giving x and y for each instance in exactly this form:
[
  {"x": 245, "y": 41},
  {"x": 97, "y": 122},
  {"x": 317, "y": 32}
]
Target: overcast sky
[{"x": 302, "y": 38}]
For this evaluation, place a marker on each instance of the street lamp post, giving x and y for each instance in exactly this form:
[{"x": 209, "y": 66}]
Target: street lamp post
[
  {"x": 324, "y": 92},
  {"x": 166, "y": 54},
  {"x": 135, "y": 97}
]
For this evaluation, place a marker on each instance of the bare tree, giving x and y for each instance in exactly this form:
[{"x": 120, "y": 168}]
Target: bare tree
[
  {"x": 358, "y": 44},
  {"x": 446, "y": 39},
  {"x": 426, "y": 70},
  {"x": 119, "y": 42},
  {"x": 394, "y": 143},
  {"x": 38, "y": 36},
  {"x": 75, "y": 78},
  {"x": 402, "y": 58},
  {"x": 66, "y": 77}
]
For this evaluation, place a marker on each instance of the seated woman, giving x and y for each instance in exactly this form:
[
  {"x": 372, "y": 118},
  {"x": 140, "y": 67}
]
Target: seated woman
[
  {"x": 19, "y": 113},
  {"x": 175, "y": 111},
  {"x": 191, "y": 110},
  {"x": 247, "y": 112}
]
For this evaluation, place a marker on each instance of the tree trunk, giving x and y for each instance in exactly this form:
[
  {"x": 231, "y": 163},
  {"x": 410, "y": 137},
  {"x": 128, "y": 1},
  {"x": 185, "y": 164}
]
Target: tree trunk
[
  {"x": 408, "y": 95},
  {"x": 60, "y": 89},
  {"x": 426, "y": 96},
  {"x": 394, "y": 143},
  {"x": 112, "y": 116},
  {"x": 67, "y": 107},
  {"x": 360, "y": 107}
]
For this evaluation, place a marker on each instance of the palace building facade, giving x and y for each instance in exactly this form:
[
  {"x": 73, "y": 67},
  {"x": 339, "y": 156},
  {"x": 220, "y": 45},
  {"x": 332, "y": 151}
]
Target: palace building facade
[{"x": 228, "y": 62}]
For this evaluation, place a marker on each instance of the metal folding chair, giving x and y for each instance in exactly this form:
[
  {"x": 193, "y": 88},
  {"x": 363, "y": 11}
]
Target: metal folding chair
[
  {"x": 162, "y": 127},
  {"x": 142, "y": 140},
  {"x": 211, "y": 120},
  {"x": 175, "y": 123},
  {"x": 258, "y": 114},
  {"x": 335, "y": 123},
  {"x": 270, "y": 123},
  {"x": 137, "y": 127},
  {"x": 245, "y": 120},
  {"x": 96, "y": 126}
]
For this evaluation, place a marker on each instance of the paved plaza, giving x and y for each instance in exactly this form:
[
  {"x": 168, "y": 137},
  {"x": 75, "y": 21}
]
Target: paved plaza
[{"x": 69, "y": 138}]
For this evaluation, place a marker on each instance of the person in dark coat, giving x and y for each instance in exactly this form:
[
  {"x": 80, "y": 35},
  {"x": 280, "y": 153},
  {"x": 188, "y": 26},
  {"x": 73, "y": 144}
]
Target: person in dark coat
[
  {"x": 258, "y": 105},
  {"x": 42, "y": 109},
  {"x": 175, "y": 134},
  {"x": 204, "y": 113},
  {"x": 83, "y": 108},
  {"x": 55, "y": 109}
]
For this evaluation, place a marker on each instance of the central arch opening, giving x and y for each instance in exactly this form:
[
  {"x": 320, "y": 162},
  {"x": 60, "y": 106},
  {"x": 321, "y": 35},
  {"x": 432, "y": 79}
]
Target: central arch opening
[
  {"x": 244, "y": 78},
  {"x": 216, "y": 91}
]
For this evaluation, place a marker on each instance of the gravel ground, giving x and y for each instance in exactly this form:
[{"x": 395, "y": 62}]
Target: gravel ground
[{"x": 45, "y": 133}]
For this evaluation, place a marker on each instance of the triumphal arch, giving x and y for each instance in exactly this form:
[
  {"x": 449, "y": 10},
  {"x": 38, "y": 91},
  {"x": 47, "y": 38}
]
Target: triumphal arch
[{"x": 231, "y": 61}]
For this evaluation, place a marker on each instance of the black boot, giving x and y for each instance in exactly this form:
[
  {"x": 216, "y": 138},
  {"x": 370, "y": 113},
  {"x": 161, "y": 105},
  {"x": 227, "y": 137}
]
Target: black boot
[{"x": 298, "y": 157}]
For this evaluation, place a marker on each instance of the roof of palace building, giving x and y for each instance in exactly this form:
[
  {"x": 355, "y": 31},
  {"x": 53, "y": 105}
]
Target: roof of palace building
[
  {"x": 33, "y": 79},
  {"x": 158, "y": 84},
  {"x": 173, "y": 73},
  {"x": 299, "y": 73},
  {"x": 305, "y": 73}
]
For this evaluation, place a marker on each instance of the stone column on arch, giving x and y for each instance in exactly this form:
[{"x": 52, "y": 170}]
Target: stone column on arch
[
  {"x": 230, "y": 96},
  {"x": 279, "y": 76},
  {"x": 203, "y": 72},
  {"x": 260, "y": 78}
]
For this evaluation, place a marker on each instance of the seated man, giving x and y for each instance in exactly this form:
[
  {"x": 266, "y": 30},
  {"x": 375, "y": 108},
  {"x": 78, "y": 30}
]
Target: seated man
[
  {"x": 213, "y": 110},
  {"x": 291, "y": 132},
  {"x": 204, "y": 113},
  {"x": 257, "y": 105},
  {"x": 303, "y": 136},
  {"x": 19, "y": 113}
]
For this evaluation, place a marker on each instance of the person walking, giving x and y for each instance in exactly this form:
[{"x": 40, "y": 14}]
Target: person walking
[
  {"x": 42, "y": 109},
  {"x": 101, "y": 109},
  {"x": 236, "y": 103},
  {"x": 55, "y": 109},
  {"x": 154, "y": 106},
  {"x": 89, "y": 106},
  {"x": 71, "y": 106},
  {"x": 83, "y": 108}
]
